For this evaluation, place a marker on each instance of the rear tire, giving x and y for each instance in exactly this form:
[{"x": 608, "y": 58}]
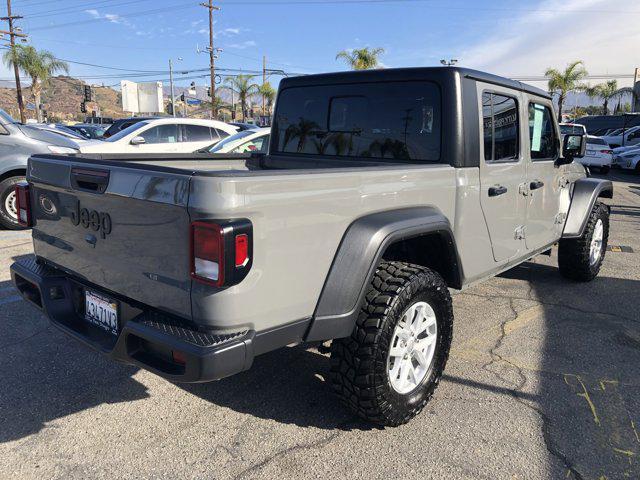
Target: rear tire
[
  {"x": 8, "y": 212},
  {"x": 580, "y": 259},
  {"x": 389, "y": 367}
]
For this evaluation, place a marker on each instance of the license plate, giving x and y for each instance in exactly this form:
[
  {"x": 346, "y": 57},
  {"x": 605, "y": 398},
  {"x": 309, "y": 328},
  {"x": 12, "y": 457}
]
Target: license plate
[
  {"x": 591, "y": 152},
  {"x": 101, "y": 312}
]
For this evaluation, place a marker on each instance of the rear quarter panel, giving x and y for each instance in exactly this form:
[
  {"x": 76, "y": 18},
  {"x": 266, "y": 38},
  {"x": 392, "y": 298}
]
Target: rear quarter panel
[{"x": 299, "y": 218}]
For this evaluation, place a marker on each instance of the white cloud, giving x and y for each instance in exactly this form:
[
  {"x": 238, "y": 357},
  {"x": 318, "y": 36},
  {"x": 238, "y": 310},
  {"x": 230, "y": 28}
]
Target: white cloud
[
  {"x": 113, "y": 18},
  {"x": 602, "y": 33},
  {"x": 243, "y": 45},
  {"x": 110, "y": 17},
  {"x": 231, "y": 31}
]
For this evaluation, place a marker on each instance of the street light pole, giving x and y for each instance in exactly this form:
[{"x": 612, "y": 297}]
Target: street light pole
[{"x": 173, "y": 97}]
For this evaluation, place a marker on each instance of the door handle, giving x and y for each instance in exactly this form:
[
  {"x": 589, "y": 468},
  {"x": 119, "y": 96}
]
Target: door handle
[
  {"x": 536, "y": 185},
  {"x": 497, "y": 191}
]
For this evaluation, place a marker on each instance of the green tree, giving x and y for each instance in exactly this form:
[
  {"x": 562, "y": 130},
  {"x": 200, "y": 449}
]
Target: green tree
[
  {"x": 242, "y": 86},
  {"x": 39, "y": 65},
  {"x": 569, "y": 80},
  {"x": 268, "y": 94},
  {"x": 361, "y": 58},
  {"x": 607, "y": 91}
]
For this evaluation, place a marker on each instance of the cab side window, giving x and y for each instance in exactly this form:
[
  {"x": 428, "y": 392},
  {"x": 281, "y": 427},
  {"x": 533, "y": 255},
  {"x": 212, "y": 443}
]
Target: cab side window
[
  {"x": 161, "y": 134},
  {"x": 542, "y": 134},
  {"x": 501, "y": 128}
]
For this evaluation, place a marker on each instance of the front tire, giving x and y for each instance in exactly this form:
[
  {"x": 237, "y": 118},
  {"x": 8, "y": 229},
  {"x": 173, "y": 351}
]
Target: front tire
[
  {"x": 389, "y": 367},
  {"x": 8, "y": 211},
  {"x": 580, "y": 259}
]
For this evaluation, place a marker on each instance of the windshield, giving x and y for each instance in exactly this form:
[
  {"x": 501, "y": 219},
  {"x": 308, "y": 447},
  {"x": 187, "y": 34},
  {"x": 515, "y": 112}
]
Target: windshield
[
  {"x": 617, "y": 131},
  {"x": 220, "y": 145},
  {"x": 126, "y": 131},
  {"x": 6, "y": 118},
  {"x": 569, "y": 129}
]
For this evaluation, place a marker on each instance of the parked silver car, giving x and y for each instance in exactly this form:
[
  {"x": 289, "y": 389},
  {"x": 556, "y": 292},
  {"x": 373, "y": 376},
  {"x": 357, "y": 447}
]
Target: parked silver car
[{"x": 17, "y": 143}]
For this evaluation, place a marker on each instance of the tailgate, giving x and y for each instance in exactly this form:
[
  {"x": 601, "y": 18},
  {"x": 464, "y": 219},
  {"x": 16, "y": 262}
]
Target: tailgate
[{"x": 125, "y": 229}]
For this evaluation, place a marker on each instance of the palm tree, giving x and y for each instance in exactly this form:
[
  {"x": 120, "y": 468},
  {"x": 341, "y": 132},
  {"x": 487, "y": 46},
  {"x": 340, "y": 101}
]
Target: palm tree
[
  {"x": 607, "y": 91},
  {"x": 268, "y": 94},
  {"x": 39, "y": 65},
  {"x": 218, "y": 103},
  {"x": 242, "y": 86},
  {"x": 361, "y": 58},
  {"x": 569, "y": 80}
]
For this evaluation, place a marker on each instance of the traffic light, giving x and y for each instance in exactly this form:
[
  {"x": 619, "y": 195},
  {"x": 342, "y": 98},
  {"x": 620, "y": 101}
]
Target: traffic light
[
  {"x": 83, "y": 107},
  {"x": 182, "y": 97},
  {"x": 208, "y": 91},
  {"x": 87, "y": 93},
  {"x": 170, "y": 108}
]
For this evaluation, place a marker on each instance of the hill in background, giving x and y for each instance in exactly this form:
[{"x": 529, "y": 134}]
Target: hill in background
[
  {"x": 62, "y": 98},
  {"x": 63, "y": 95}
]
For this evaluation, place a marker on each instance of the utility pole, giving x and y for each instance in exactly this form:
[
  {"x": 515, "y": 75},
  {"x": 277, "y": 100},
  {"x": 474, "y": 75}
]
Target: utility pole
[
  {"x": 13, "y": 33},
  {"x": 212, "y": 55},
  {"x": 264, "y": 80}
]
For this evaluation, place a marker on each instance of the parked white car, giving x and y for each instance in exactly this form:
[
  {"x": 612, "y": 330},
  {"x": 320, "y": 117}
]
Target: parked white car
[
  {"x": 247, "y": 141},
  {"x": 165, "y": 135},
  {"x": 631, "y": 137},
  {"x": 598, "y": 155},
  {"x": 627, "y": 158}
]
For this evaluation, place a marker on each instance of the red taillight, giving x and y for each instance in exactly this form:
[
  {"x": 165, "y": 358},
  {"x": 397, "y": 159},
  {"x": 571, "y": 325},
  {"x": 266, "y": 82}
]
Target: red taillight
[
  {"x": 207, "y": 258},
  {"x": 242, "y": 250},
  {"x": 23, "y": 206},
  {"x": 607, "y": 152},
  {"x": 221, "y": 251}
]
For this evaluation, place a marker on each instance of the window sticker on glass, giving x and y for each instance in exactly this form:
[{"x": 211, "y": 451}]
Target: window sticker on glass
[{"x": 536, "y": 137}]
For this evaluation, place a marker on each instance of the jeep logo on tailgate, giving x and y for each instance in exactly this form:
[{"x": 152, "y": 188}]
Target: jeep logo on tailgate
[{"x": 96, "y": 221}]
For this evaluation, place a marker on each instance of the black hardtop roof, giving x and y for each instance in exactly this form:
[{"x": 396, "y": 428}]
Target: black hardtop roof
[{"x": 414, "y": 73}]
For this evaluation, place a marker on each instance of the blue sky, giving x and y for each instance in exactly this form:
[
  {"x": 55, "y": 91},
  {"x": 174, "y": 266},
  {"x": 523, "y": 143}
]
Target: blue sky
[{"x": 505, "y": 37}]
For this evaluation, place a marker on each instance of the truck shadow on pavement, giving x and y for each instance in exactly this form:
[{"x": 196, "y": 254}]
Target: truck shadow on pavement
[
  {"x": 46, "y": 376},
  {"x": 583, "y": 381}
]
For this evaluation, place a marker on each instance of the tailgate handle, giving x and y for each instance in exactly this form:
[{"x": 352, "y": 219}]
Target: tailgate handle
[{"x": 95, "y": 181}]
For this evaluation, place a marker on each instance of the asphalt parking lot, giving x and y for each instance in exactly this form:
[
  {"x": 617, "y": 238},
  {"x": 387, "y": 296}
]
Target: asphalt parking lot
[{"x": 543, "y": 382}]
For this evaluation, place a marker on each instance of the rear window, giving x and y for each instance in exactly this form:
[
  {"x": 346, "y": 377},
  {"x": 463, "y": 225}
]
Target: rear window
[
  {"x": 399, "y": 121},
  {"x": 596, "y": 141}
]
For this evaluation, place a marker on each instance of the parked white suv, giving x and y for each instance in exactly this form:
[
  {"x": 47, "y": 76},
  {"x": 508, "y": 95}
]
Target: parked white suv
[
  {"x": 166, "y": 135},
  {"x": 598, "y": 155}
]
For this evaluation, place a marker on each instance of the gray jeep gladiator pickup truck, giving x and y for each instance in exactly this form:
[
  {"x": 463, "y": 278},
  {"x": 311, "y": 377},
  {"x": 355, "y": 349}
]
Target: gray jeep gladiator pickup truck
[{"x": 381, "y": 191}]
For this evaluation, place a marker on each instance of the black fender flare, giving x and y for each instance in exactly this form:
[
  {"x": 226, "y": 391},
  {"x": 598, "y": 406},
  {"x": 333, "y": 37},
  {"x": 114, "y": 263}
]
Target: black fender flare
[
  {"x": 585, "y": 193},
  {"x": 358, "y": 255}
]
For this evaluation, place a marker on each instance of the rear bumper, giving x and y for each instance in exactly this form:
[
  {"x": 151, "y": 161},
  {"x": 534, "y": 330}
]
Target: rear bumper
[{"x": 146, "y": 339}]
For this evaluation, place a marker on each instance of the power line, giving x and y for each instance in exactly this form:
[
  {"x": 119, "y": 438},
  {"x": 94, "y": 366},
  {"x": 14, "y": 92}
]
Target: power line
[
  {"x": 99, "y": 3},
  {"x": 119, "y": 17}
]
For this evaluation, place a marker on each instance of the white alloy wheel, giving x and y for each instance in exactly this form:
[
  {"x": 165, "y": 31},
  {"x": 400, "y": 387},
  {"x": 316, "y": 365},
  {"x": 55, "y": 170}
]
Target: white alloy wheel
[
  {"x": 596, "y": 243},
  {"x": 412, "y": 348},
  {"x": 10, "y": 205}
]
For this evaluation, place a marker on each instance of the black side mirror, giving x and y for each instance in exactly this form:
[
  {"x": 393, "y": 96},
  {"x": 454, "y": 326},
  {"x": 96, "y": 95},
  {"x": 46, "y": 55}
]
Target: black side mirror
[{"x": 574, "y": 145}]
